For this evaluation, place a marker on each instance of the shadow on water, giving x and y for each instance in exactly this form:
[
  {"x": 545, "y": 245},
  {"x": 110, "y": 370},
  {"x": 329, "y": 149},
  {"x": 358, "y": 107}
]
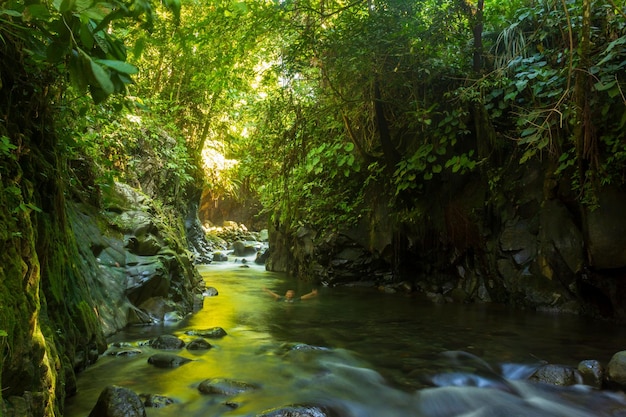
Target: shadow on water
[{"x": 356, "y": 352}]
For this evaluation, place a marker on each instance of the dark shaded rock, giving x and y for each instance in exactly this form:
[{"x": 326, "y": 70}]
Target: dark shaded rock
[
  {"x": 167, "y": 342},
  {"x": 167, "y": 360},
  {"x": 199, "y": 344},
  {"x": 149, "y": 277},
  {"x": 556, "y": 375},
  {"x": 212, "y": 333},
  {"x": 560, "y": 233},
  {"x": 155, "y": 400},
  {"x": 117, "y": 401},
  {"x": 197, "y": 242},
  {"x": 592, "y": 373},
  {"x": 606, "y": 226},
  {"x": 144, "y": 245},
  {"x": 296, "y": 411},
  {"x": 222, "y": 386},
  {"x": 157, "y": 307},
  {"x": 262, "y": 256}
]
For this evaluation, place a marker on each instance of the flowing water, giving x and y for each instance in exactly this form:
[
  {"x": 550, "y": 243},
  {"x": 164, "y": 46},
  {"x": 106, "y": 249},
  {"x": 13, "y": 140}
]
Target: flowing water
[{"x": 357, "y": 352}]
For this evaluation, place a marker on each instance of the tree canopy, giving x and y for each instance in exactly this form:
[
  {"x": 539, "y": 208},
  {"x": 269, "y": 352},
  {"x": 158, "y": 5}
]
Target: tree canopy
[{"x": 316, "y": 106}]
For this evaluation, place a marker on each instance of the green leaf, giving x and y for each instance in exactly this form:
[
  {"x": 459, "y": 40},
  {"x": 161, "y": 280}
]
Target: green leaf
[
  {"x": 102, "y": 77},
  {"x": 36, "y": 12},
  {"x": 3, "y": 333},
  {"x": 67, "y": 5},
  {"x": 600, "y": 86},
  {"x": 119, "y": 66},
  {"x": 56, "y": 51},
  {"x": 10, "y": 12}
]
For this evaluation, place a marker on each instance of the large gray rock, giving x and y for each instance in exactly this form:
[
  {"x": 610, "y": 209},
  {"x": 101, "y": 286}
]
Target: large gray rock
[
  {"x": 117, "y": 401},
  {"x": 556, "y": 375},
  {"x": 616, "y": 370},
  {"x": 517, "y": 238}
]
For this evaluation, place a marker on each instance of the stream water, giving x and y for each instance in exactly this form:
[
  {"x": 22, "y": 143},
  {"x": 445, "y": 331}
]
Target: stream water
[{"x": 357, "y": 352}]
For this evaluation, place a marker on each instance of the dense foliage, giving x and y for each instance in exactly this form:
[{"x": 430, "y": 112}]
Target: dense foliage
[{"x": 318, "y": 106}]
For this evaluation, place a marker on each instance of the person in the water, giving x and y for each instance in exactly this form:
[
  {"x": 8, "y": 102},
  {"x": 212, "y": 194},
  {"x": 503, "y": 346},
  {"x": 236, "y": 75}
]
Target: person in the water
[{"x": 290, "y": 295}]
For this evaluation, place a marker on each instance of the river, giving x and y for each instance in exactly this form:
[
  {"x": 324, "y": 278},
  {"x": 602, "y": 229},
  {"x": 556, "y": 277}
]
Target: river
[{"x": 359, "y": 352}]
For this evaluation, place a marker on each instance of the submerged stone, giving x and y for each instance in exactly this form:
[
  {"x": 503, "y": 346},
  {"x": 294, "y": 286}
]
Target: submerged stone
[{"x": 222, "y": 386}]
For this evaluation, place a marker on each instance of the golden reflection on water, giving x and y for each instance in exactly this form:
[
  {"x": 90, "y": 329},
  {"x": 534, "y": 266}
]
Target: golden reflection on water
[{"x": 370, "y": 344}]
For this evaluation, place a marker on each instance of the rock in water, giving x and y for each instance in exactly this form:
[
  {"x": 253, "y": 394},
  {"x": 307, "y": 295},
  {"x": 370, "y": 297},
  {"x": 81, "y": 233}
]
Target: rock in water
[
  {"x": 199, "y": 344},
  {"x": 228, "y": 387},
  {"x": 117, "y": 401},
  {"x": 167, "y": 342},
  {"x": 167, "y": 360},
  {"x": 296, "y": 411},
  {"x": 212, "y": 333}
]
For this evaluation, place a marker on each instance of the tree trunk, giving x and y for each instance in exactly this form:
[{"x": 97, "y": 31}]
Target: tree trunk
[{"x": 392, "y": 157}]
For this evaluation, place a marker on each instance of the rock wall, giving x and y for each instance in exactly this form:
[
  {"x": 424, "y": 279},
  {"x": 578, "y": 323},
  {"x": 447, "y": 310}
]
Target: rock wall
[
  {"x": 520, "y": 239},
  {"x": 72, "y": 274}
]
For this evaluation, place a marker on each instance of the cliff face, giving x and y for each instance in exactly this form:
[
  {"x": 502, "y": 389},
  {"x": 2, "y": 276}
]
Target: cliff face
[
  {"x": 520, "y": 238},
  {"x": 74, "y": 274},
  {"x": 76, "y": 265}
]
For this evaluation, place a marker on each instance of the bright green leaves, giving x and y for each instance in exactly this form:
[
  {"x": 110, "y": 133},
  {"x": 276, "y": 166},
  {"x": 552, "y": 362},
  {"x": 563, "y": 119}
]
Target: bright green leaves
[
  {"x": 77, "y": 36},
  {"x": 332, "y": 160},
  {"x": 442, "y": 155}
]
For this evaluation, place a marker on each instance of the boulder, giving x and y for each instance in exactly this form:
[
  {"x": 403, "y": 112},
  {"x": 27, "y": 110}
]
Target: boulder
[
  {"x": 222, "y": 386},
  {"x": 212, "y": 333},
  {"x": 115, "y": 401},
  {"x": 199, "y": 344},
  {"x": 167, "y": 342},
  {"x": 592, "y": 373},
  {"x": 616, "y": 370},
  {"x": 167, "y": 360},
  {"x": 244, "y": 248},
  {"x": 220, "y": 257},
  {"x": 556, "y": 375}
]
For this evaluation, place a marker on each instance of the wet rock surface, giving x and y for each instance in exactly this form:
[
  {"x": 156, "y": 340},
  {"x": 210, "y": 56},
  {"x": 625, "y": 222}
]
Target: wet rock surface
[
  {"x": 117, "y": 401},
  {"x": 223, "y": 386},
  {"x": 167, "y": 342},
  {"x": 167, "y": 360},
  {"x": 212, "y": 333}
]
